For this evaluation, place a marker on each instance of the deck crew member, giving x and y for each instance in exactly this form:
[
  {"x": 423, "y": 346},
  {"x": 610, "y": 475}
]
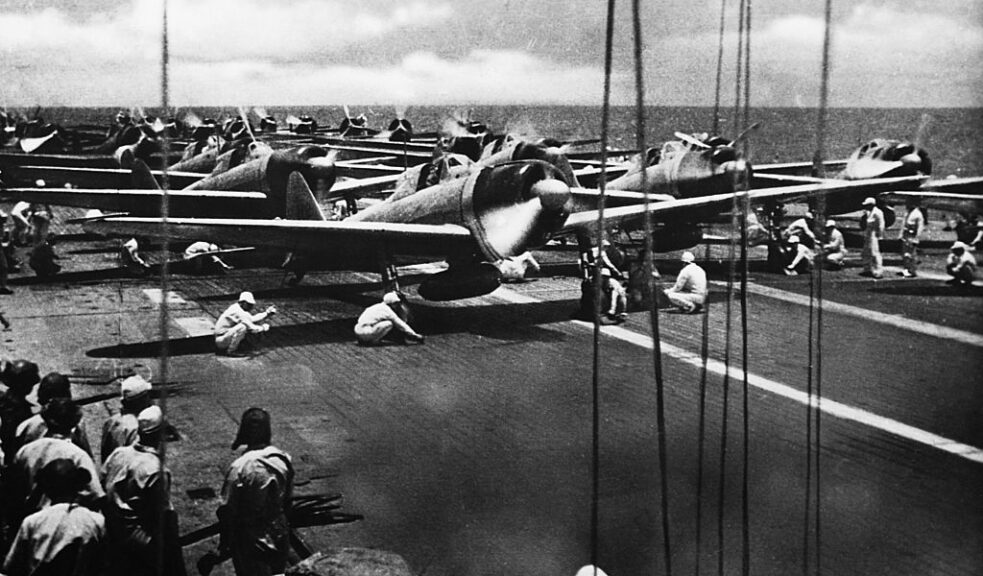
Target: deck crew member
[
  {"x": 689, "y": 294},
  {"x": 514, "y": 268},
  {"x": 61, "y": 415},
  {"x": 19, "y": 377},
  {"x": 835, "y": 247},
  {"x": 121, "y": 429},
  {"x": 802, "y": 256},
  {"x": 138, "y": 504},
  {"x": 42, "y": 259},
  {"x": 64, "y": 537},
  {"x": 256, "y": 500},
  {"x": 802, "y": 228},
  {"x": 378, "y": 320},
  {"x": 872, "y": 222},
  {"x": 53, "y": 385},
  {"x": 130, "y": 258},
  {"x": 914, "y": 225},
  {"x": 961, "y": 265},
  {"x": 198, "y": 252},
  {"x": 237, "y": 321},
  {"x": 21, "y": 215}
]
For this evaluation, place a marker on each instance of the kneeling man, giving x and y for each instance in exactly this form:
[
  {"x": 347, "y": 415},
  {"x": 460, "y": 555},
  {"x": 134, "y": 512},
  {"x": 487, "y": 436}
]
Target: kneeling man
[
  {"x": 689, "y": 294},
  {"x": 237, "y": 321}
]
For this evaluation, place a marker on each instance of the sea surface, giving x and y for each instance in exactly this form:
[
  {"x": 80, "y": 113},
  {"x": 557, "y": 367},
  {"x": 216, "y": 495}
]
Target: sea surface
[{"x": 952, "y": 136}]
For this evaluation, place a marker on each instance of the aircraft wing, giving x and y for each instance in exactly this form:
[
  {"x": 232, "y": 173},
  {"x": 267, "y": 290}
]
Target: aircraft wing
[
  {"x": 952, "y": 201},
  {"x": 703, "y": 207},
  {"x": 203, "y": 202},
  {"x": 969, "y": 185},
  {"x": 339, "y": 244},
  {"x": 359, "y": 187},
  {"x": 80, "y": 177},
  {"x": 800, "y": 168}
]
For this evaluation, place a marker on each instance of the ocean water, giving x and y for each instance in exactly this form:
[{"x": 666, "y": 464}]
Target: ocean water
[{"x": 952, "y": 136}]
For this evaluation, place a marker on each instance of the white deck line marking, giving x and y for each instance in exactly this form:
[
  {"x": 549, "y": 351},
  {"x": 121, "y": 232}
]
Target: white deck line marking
[
  {"x": 155, "y": 296},
  {"x": 890, "y": 319},
  {"x": 830, "y": 407}
]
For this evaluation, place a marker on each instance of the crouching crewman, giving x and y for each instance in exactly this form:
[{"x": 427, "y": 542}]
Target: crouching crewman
[{"x": 237, "y": 321}]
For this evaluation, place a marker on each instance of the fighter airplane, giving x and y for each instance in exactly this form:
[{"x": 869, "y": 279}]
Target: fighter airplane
[
  {"x": 879, "y": 158},
  {"x": 495, "y": 211}
]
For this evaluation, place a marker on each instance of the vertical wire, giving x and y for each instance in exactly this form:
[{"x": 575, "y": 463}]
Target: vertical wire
[
  {"x": 704, "y": 359},
  {"x": 595, "y": 374},
  {"x": 809, "y": 396},
  {"x": 731, "y": 273},
  {"x": 746, "y": 209},
  {"x": 164, "y": 318},
  {"x": 720, "y": 68},
  {"x": 820, "y": 152},
  {"x": 653, "y": 309}
]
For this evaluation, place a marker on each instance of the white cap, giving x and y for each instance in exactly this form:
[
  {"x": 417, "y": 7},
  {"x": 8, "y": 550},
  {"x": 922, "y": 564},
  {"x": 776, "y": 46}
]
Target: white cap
[
  {"x": 957, "y": 245},
  {"x": 390, "y": 298},
  {"x": 247, "y": 297},
  {"x": 687, "y": 256},
  {"x": 831, "y": 223},
  {"x": 150, "y": 420},
  {"x": 134, "y": 386},
  {"x": 869, "y": 201},
  {"x": 793, "y": 239}
]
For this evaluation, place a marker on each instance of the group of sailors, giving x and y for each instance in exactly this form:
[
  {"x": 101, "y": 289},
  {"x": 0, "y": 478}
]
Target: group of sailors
[
  {"x": 797, "y": 249},
  {"x": 61, "y": 514},
  {"x": 27, "y": 226}
]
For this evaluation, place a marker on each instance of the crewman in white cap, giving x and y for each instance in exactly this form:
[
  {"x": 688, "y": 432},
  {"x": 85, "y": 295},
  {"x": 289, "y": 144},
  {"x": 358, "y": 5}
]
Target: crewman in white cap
[
  {"x": 237, "y": 321},
  {"x": 378, "y": 320},
  {"x": 872, "y": 223},
  {"x": 961, "y": 265},
  {"x": 802, "y": 257},
  {"x": 689, "y": 294},
  {"x": 835, "y": 247},
  {"x": 914, "y": 225},
  {"x": 121, "y": 429},
  {"x": 138, "y": 506}
]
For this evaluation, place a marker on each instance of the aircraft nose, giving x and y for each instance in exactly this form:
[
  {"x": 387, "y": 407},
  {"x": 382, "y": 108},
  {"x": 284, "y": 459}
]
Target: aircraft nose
[
  {"x": 912, "y": 161},
  {"x": 552, "y": 193}
]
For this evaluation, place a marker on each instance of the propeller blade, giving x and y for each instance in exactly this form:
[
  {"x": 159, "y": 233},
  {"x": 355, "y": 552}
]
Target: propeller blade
[
  {"x": 245, "y": 120},
  {"x": 690, "y": 139},
  {"x": 745, "y": 133}
]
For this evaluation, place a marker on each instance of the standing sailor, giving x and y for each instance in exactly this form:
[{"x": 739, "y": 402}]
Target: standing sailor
[{"x": 873, "y": 225}]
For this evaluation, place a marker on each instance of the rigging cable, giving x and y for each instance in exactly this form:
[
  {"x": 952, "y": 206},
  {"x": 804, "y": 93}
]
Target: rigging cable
[
  {"x": 704, "y": 359},
  {"x": 731, "y": 273},
  {"x": 819, "y": 221},
  {"x": 650, "y": 283},
  {"x": 720, "y": 67},
  {"x": 745, "y": 214},
  {"x": 164, "y": 318},
  {"x": 595, "y": 373}
]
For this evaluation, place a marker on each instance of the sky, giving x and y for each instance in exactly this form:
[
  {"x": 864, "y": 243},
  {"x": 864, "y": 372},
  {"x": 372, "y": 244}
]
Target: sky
[{"x": 885, "y": 53}]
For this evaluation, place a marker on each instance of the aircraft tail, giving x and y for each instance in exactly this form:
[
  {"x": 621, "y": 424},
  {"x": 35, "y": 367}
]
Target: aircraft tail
[
  {"x": 143, "y": 179},
  {"x": 301, "y": 204}
]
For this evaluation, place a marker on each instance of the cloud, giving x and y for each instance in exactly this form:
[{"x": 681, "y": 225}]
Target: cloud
[
  {"x": 329, "y": 51},
  {"x": 482, "y": 76},
  {"x": 880, "y": 57}
]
